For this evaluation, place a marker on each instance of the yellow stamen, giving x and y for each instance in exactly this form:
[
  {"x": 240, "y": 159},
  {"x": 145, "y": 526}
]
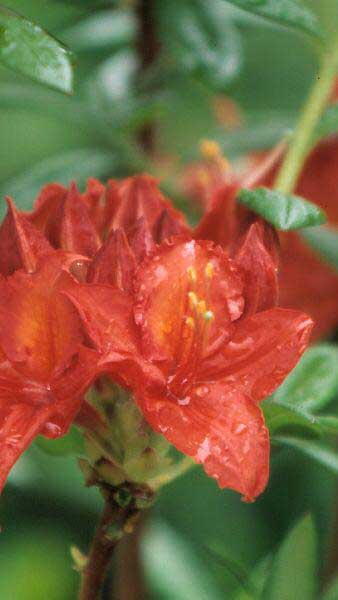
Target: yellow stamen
[
  {"x": 209, "y": 270},
  {"x": 193, "y": 299},
  {"x": 190, "y": 322},
  {"x": 201, "y": 306},
  {"x": 210, "y": 149},
  {"x": 192, "y": 274}
]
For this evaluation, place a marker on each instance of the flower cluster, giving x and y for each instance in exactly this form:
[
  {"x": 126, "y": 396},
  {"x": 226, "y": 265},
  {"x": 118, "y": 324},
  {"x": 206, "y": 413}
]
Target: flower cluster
[{"x": 114, "y": 282}]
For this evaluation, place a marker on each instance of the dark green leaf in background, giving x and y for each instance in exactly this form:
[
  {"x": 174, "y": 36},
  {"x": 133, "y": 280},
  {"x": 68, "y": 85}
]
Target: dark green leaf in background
[
  {"x": 291, "y": 13},
  {"x": 28, "y": 49},
  {"x": 328, "y": 124},
  {"x": 314, "y": 381},
  {"x": 324, "y": 240},
  {"x": 314, "y": 449},
  {"x": 71, "y": 443},
  {"x": 293, "y": 573},
  {"x": 284, "y": 211},
  {"x": 201, "y": 40}
]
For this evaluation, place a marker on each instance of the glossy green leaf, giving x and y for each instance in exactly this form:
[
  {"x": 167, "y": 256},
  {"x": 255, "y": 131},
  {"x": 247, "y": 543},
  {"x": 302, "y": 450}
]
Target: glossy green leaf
[
  {"x": 324, "y": 240},
  {"x": 291, "y": 13},
  {"x": 284, "y": 211},
  {"x": 294, "y": 568},
  {"x": 315, "y": 450},
  {"x": 28, "y": 49},
  {"x": 71, "y": 443},
  {"x": 201, "y": 40},
  {"x": 75, "y": 165},
  {"x": 102, "y": 30},
  {"x": 172, "y": 570},
  {"x": 314, "y": 381}
]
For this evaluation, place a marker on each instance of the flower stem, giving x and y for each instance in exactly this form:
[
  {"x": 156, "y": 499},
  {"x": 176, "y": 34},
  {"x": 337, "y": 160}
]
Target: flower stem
[
  {"x": 108, "y": 533},
  {"x": 311, "y": 113}
]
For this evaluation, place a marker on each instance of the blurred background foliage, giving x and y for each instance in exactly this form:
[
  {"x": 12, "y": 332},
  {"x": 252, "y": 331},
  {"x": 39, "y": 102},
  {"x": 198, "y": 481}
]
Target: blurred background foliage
[{"x": 198, "y": 542}]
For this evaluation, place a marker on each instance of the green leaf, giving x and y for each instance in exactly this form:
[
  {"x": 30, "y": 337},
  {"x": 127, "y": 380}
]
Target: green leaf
[
  {"x": 293, "y": 573},
  {"x": 314, "y": 381},
  {"x": 332, "y": 592},
  {"x": 101, "y": 30},
  {"x": 291, "y": 13},
  {"x": 75, "y": 164},
  {"x": 257, "y": 580},
  {"x": 313, "y": 449},
  {"x": 284, "y": 211},
  {"x": 290, "y": 420},
  {"x": 324, "y": 240},
  {"x": 328, "y": 124},
  {"x": 201, "y": 40},
  {"x": 27, "y": 48},
  {"x": 72, "y": 443},
  {"x": 184, "y": 576}
]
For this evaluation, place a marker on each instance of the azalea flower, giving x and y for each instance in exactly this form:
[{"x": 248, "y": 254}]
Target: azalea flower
[
  {"x": 306, "y": 281},
  {"x": 114, "y": 282}
]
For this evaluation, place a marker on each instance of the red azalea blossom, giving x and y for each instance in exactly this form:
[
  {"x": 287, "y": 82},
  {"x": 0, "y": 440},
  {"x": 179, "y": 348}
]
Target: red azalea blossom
[
  {"x": 114, "y": 281},
  {"x": 306, "y": 282}
]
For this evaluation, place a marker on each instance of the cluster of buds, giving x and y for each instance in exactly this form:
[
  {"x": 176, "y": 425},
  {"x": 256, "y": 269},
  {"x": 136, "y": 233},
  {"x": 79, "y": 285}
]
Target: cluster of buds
[{"x": 113, "y": 288}]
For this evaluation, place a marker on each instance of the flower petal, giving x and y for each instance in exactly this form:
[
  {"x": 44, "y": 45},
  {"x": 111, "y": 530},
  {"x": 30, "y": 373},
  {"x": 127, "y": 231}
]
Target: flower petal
[
  {"x": 21, "y": 244},
  {"x": 219, "y": 222},
  {"x": 260, "y": 271},
  {"x": 221, "y": 428},
  {"x": 114, "y": 263},
  {"x": 19, "y": 424},
  {"x": 63, "y": 217},
  {"x": 261, "y": 353},
  {"x": 139, "y": 196},
  {"x": 39, "y": 329}
]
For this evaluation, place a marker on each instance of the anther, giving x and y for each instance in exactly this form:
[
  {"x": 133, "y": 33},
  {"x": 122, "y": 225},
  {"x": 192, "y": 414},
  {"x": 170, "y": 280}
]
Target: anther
[
  {"x": 190, "y": 322},
  {"x": 193, "y": 299},
  {"x": 209, "y": 270},
  {"x": 192, "y": 274}
]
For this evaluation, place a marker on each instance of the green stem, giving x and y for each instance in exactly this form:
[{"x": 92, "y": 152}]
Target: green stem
[{"x": 312, "y": 111}]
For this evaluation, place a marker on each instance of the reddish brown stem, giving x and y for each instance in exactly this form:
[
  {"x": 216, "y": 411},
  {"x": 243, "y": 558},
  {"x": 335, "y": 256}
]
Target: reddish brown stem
[
  {"x": 148, "y": 49},
  {"x": 103, "y": 545},
  {"x": 129, "y": 582}
]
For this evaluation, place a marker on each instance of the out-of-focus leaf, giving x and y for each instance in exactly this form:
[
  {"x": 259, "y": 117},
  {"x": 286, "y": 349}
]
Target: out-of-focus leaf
[
  {"x": 235, "y": 568},
  {"x": 314, "y": 381},
  {"x": 257, "y": 580},
  {"x": 260, "y": 133},
  {"x": 293, "y": 572},
  {"x": 41, "y": 100},
  {"x": 172, "y": 570},
  {"x": 313, "y": 449},
  {"x": 28, "y": 49},
  {"x": 324, "y": 240},
  {"x": 201, "y": 40},
  {"x": 291, "y": 13},
  {"x": 328, "y": 124},
  {"x": 284, "y": 211},
  {"x": 290, "y": 420},
  {"x": 115, "y": 77},
  {"x": 72, "y": 443},
  {"x": 75, "y": 164},
  {"x": 332, "y": 592},
  {"x": 101, "y": 30}
]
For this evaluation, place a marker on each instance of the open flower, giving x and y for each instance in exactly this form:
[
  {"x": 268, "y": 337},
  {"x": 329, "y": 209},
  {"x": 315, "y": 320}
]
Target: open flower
[
  {"x": 114, "y": 282},
  {"x": 306, "y": 282},
  {"x": 197, "y": 342}
]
